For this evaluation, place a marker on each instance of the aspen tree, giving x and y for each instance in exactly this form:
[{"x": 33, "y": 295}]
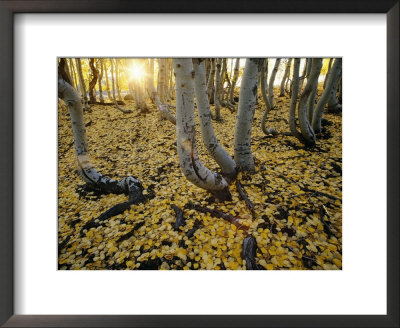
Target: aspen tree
[
  {"x": 211, "y": 142},
  {"x": 125, "y": 111},
  {"x": 285, "y": 77},
  {"x": 247, "y": 100},
  {"x": 305, "y": 127},
  {"x": 190, "y": 164},
  {"x": 271, "y": 83},
  {"x": 234, "y": 80},
  {"x": 326, "y": 94},
  {"x": 82, "y": 82}
]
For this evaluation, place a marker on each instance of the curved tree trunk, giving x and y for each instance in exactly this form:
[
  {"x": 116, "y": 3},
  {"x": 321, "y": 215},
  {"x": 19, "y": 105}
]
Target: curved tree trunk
[
  {"x": 190, "y": 164},
  {"x": 125, "y": 111},
  {"x": 305, "y": 127},
  {"x": 340, "y": 90},
  {"x": 285, "y": 76},
  {"x": 95, "y": 179},
  {"x": 271, "y": 83},
  {"x": 303, "y": 75},
  {"x": 329, "y": 89},
  {"x": 267, "y": 104},
  {"x": 162, "y": 108},
  {"x": 92, "y": 83},
  {"x": 82, "y": 82},
  {"x": 217, "y": 152},
  {"x": 247, "y": 100},
  {"x": 328, "y": 72},
  {"x": 234, "y": 80},
  {"x": 293, "y": 101},
  {"x": 333, "y": 102},
  {"x": 217, "y": 90},
  {"x": 100, "y": 80},
  {"x": 312, "y": 97}
]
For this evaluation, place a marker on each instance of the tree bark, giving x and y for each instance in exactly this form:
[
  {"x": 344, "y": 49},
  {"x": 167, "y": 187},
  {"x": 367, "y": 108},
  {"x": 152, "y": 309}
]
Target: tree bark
[
  {"x": 74, "y": 80},
  {"x": 293, "y": 101},
  {"x": 271, "y": 83},
  {"x": 247, "y": 100},
  {"x": 107, "y": 82},
  {"x": 95, "y": 179},
  {"x": 117, "y": 80},
  {"x": 82, "y": 82},
  {"x": 313, "y": 96},
  {"x": 217, "y": 90},
  {"x": 328, "y": 72},
  {"x": 125, "y": 111},
  {"x": 210, "y": 82},
  {"x": 93, "y": 81},
  {"x": 161, "y": 80},
  {"x": 305, "y": 127},
  {"x": 333, "y": 102},
  {"x": 267, "y": 104},
  {"x": 211, "y": 142},
  {"x": 285, "y": 76},
  {"x": 100, "y": 81},
  {"x": 303, "y": 75},
  {"x": 190, "y": 164},
  {"x": 234, "y": 80},
  {"x": 326, "y": 94}
]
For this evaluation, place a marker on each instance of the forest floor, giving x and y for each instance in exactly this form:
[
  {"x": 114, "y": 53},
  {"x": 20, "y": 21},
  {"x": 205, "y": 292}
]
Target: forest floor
[{"x": 296, "y": 193}]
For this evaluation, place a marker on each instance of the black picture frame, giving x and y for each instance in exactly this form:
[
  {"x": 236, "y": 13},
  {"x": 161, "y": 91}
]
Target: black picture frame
[{"x": 7, "y": 11}]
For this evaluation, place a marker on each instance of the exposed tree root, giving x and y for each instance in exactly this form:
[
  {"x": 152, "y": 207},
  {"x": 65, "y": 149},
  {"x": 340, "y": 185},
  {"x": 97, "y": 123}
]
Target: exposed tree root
[
  {"x": 218, "y": 214},
  {"x": 135, "y": 196},
  {"x": 249, "y": 252},
  {"x": 244, "y": 196},
  {"x": 197, "y": 225},
  {"x": 180, "y": 221}
]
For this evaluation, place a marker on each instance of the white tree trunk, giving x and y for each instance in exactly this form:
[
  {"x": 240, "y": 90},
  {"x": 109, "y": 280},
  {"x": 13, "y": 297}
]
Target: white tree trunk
[
  {"x": 271, "y": 83},
  {"x": 161, "y": 80},
  {"x": 95, "y": 179},
  {"x": 215, "y": 149},
  {"x": 82, "y": 82},
  {"x": 247, "y": 100},
  {"x": 305, "y": 127},
  {"x": 71, "y": 65},
  {"x": 234, "y": 80},
  {"x": 107, "y": 83},
  {"x": 210, "y": 82},
  {"x": 326, "y": 94},
  {"x": 285, "y": 77},
  {"x": 117, "y": 80},
  {"x": 113, "y": 91},
  {"x": 100, "y": 80},
  {"x": 328, "y": 72},
  {"x": 312, "y": 97},
  {"x": 293, "y": 101},
  {"x": 190, "y": 164},
  {"x": 267, "y": 104},
  {"x": 303, "y": 75},
  {"x": 217, "y": 90}
]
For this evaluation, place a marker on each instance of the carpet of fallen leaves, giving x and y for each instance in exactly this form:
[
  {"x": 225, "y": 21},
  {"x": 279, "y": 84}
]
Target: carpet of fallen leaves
[{"x": 296, "y": 193}]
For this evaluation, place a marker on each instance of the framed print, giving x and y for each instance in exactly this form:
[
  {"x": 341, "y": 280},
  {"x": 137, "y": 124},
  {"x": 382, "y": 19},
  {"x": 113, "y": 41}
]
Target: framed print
[{"x": 72, "y": 240}]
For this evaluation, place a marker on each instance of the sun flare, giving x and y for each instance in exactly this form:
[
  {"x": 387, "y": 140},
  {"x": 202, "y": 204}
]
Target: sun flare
[{"x": 136, "y": 72}]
